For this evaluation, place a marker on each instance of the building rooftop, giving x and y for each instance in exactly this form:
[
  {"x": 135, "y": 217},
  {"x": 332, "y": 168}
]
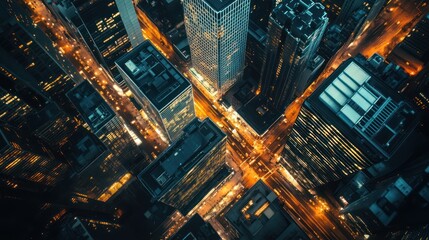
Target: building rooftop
[
  {"x": 196, "y": 228},
  {"x": 4, "y": 143},
  {"x": 82, "y": 149},
  {"x": 219, "y": 5},
  {"x": 364, "y": 107},
  {"x": 259, "y": 115},
  {"x": 258, "y": 215},
  {"x": 198, "y": 139},
  {"x": 385, "y": 202},
  {"x": 391, "y": 74},
  {"x": 153, "y": 74},
  {"x": 257, "y": 33},
  {"x": 300, "y": 17},
  {"x": 92, "y": 107}
]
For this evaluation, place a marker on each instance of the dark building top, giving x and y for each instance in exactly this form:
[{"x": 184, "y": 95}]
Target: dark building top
[
  {"x": 361, "y": 106},
  {"x": 92, "y": 107},
  {"x": 4, "y": 143},
  {"x": 153, "y": 74},
  {"x": 301, "y": 17},
  {"x": 257, "y": 33},
  {"x": 45, "y": 116},
  {"x": 198, "y": 139},
  {"x": 259, "y": 114},
  {"x": 258, "y": 215},
  {"x": 82, "y": 149},
  {"x": 196, "y": 228},
  {"x": 219, "y": 5}
]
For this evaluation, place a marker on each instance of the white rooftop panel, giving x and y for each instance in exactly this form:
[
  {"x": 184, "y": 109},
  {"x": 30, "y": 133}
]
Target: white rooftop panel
[
  {"x": 329, "y": 102},
  {"x": 351, "y": 114},
  {"x": 364, "y": 104},
  {"x": 344, "y": 88},
  {"x": 348, "y": 81},
  {"x": 130, "y": 65},
  {"x": 336, "y": 95},
  {"x": 357, "y": 73},
  {"x": 367, "y": 95}
]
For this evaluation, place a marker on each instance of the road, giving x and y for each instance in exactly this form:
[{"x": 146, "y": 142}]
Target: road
[{"x": 91, "y": 70}]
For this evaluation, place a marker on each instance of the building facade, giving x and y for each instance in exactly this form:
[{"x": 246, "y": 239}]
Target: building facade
[
  {"x": 109, "y": 29},
  {"x": 258, "y": 215},
  {"x": 166, "y": 96},
  {"x": 28, "y": 57},
  {"x": 413, "y": 52},
  {"x": 104, "y": 123},
  {"x": 217, "y": 33},
  {"x": 295, "y": 30},
  {"x": 185, "y": 172},
  {"x": 350, "y": 123},
  {"x": 25, "y": 161}
]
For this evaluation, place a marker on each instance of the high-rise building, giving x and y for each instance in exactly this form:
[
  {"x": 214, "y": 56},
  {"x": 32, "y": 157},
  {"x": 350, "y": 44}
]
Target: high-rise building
[
  {"x": 98, "y": 174},
  {"x": 350, "y": 123},
  {"x": 25, "y": 160},
  {"x": 51, "y": 126},
  {"x": 333, "y": 8},
  {"x": 108, "y": 28},
  {"x": 413, "y": 52},
  {"x": 28, "y": 57},
  {"x": 418, "y": 91},
  {"x": 295, "y": 30},
  {"x": 196, "y": 228},
  {"x": 380, "y": 207},
  {"x": 217, "y": 33},
  {"x": 189, "y": 169},
  {"x": 347, "y": 9},
  {"x": 400, "y": 200},
  {"x": 160, "y": 88},
  {"x": 259, "y": 215},
  {"x": 13, "y": 108},
  {"x": 260, "y": 11},
  {"x": 255, "y": 48},
  {"x": 104, "y": 123}
]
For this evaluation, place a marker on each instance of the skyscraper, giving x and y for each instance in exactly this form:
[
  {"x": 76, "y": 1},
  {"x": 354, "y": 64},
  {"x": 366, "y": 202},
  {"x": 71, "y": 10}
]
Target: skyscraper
[
  {"x": 350, "y": 123},
  {"x": 413, "y": 52},
  {"x": 217, "y": 33},
  {"x": 29, "y": 59},
  {"x": 258, "y": 215},
  {"x": 185, "y": 172},
  {"x": 23, "y": 161},
  {"x": 400, "y": 201},
  {"x": 380, "y": 207},
  {"x": 255, "y": 49},
  {"x": 295, "y": 30},
  {"x": 13, "y": 108},
  {"x": 260, "y": 12},
  {"x": 98, "y": 174},
  {"x": 104, "y": 123},
  {"x": 108, "y": 28},
  {"x": 347, "y": 9},
  {"x": 160, "y": 88}
]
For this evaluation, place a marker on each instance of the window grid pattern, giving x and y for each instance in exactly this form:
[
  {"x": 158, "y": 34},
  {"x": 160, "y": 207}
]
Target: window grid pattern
[{"x": 217, "y": 40}]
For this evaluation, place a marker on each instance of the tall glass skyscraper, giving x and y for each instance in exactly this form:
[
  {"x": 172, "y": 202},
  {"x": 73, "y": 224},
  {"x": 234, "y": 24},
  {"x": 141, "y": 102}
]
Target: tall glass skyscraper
[
  {"x": 217, "y": 33},
  {"x": 350, "y": 123},
  {"x": 295, "y": 30},
  {"x": 108, "y": 28},
  {"x": 164, "y": 93}
]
